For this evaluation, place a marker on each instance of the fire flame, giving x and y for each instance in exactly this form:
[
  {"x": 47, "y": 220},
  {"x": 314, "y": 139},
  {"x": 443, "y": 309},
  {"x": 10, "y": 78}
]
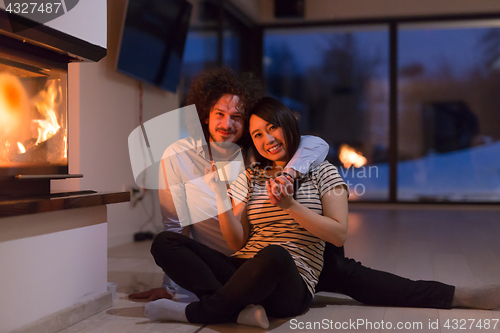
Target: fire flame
[
  {"x": 17, "y": 112},
  {"x": 348, "y": 156},
  {"x": 14, "y": 108},
  {"x": 22, "y": 150},
  {"x": 45, "y": 102}
]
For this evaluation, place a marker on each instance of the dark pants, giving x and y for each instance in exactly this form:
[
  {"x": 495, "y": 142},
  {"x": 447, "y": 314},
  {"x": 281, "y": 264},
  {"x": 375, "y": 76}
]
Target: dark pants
[
  {"x": 225, "y": 285},
  {"x": 347, "y": 276}
]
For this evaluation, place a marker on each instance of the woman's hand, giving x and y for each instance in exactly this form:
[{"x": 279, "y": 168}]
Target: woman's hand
[
  {"x": 215, "y": 184},
  {"x": 280, "y": 191},
  {"x": 233, "y": 220}
]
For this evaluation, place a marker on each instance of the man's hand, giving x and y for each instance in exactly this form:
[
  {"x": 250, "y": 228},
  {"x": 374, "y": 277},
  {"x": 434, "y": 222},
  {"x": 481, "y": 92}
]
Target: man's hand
[
  {"x": 280, "y": 191},
  {"x": 215, "y": 184},
  {"x": 152, "y": 294}
]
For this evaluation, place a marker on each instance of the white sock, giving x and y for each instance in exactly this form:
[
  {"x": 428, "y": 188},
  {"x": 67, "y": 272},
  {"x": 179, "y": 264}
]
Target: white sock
[
  {"x": 253, "y": 315},
  {"x": 166, "y": 310}
]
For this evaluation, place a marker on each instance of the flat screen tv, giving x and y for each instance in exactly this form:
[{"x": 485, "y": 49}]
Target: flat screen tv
[{"x": 152, "y": 44}]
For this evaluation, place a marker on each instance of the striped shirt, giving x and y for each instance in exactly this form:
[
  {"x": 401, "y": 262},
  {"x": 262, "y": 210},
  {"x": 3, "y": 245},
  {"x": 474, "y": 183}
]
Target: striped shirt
[{"x": 271, "y": 225}]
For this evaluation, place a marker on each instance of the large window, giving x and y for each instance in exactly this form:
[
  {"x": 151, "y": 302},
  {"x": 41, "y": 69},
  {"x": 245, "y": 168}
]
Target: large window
[
  {"x": 336, "y": 82},
  {"x": 448, "y": 114},
  {"x": 200, "y": 52},
  {"x": 410, "y": 107}
]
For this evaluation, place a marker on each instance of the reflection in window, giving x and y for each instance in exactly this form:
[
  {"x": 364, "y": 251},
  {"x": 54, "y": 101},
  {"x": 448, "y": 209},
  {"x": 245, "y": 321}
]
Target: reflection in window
[
  {"x": 449, "y": 95},
  {"x": 231, "y": 52},
  {"x": 200, "y": 53},
  {"x": 336, "y": 82},
  {"x": 231, "y": 44}
]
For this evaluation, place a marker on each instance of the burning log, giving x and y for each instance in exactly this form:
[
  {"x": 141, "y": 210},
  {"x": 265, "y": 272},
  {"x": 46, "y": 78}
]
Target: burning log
[{"x": 29, "y": 129}]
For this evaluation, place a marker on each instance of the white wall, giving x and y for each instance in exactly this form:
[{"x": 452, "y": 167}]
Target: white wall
[
  {"x": 87, "y": 21},
  {"x": 108, "y": 110},
  {"x": 49, "y": 262},
  {"x": 105, "y": 104}
]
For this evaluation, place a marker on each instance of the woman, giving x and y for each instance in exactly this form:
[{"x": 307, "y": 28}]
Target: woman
[{"x": 277, "y": 235}]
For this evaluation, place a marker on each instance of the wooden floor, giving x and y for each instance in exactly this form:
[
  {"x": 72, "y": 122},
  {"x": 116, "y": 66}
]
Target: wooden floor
[{"x": 458, "y": 246}]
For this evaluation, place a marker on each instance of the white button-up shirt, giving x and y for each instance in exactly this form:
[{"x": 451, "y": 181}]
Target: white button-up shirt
[{"x": 186, "y": 199}]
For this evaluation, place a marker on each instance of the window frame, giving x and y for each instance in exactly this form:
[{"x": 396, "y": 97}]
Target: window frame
[{"x": 393, "y": 24}]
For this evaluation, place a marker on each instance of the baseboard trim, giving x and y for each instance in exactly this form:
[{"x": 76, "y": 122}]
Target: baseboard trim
[{"x": 69, "y": 316}]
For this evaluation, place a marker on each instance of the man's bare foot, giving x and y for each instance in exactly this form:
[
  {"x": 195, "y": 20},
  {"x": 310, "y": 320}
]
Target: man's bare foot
[
  {"x": 152, "y": 294},
  {"x": 486, "y": 297}
]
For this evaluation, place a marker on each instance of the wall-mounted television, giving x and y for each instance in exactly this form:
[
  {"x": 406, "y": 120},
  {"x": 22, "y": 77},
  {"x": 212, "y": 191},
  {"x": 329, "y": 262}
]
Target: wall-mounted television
[{"x": 152, "y": 42}]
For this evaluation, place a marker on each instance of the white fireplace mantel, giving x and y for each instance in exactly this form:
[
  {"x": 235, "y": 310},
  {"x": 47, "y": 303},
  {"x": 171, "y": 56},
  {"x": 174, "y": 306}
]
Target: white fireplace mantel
[{"x": 53, "y": 265}]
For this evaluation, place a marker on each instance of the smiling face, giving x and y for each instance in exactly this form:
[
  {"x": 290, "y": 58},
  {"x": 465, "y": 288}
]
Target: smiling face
[
  {"x": 225, "y": 122},
  {"x": 269, "y": 140}
]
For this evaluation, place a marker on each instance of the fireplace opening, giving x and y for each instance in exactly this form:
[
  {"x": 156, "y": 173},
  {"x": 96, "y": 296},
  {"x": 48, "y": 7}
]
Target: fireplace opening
[
  {"x": 33, "y": 116},
  {"x": 33, "y": 119}
]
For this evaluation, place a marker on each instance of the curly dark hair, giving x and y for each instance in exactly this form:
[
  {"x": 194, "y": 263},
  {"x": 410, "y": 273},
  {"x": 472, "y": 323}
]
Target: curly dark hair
[{"x": 210, "y": 85}]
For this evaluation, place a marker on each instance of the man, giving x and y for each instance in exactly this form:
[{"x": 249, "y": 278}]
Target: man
[
  {"x": 221, "y": 98},
  {"x": 187, "y": 204}
]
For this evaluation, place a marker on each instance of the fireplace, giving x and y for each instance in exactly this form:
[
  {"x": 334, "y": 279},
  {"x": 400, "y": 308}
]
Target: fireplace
[
  {"x": 33, "y": 119},
  {"x": 34, "y": 105},
  {"x": 63, "y": 238}
]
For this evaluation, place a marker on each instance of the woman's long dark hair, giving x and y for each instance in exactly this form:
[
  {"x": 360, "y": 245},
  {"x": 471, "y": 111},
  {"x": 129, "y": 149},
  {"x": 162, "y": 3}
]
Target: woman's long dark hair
[{"x": 273, "y": 111}]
